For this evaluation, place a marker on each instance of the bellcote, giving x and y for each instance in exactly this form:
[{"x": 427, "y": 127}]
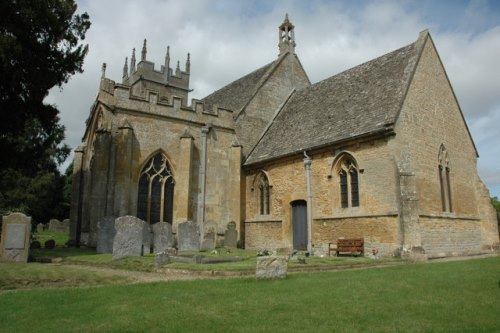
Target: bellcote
[{"x": 286, "y": 36}]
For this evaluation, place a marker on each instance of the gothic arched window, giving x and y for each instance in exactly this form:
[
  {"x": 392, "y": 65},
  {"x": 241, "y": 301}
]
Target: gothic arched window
[
  {"x": 347, "y": 171},
  {"x": 444, "y": 179},
  {"x": 155, "y": 196},
  {"x": 264, "y": 194}
]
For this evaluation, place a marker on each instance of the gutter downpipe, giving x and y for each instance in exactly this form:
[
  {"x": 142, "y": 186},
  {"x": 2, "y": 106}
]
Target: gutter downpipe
[
  {"x": 203, "y": 180},
  {"x": 307, "y": 166}
]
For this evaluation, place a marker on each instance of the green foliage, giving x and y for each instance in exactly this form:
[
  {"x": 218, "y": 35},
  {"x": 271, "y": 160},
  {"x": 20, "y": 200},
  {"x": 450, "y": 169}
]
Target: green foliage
[
  {"x": 496, "y": 203},
  {"x": 59, "y": 237},
  {"x": 460, "y": 296},
  {"x": 39, "y": 49},
  {"x": 40, "y": 196}
]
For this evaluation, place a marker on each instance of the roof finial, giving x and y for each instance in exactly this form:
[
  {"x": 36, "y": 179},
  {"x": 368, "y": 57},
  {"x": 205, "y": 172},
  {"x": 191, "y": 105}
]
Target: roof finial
[
  {"x": 188, "y": 63},
  {"x": 178, "y": 69},
  {"x": 286, "y": 36},
  {"x": 132, "y": 62},
  {"x": 125, "y": 68},
  {"x": 144, "y": 51}
]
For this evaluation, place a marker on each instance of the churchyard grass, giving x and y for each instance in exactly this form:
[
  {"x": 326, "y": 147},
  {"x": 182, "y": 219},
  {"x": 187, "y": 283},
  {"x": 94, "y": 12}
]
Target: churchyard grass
[
  {"x": 146, "y": 263},
  {"x": 458, "y": 296},
  {"x": 42, "y": 236},
  {"x": 35, "y": 275}
]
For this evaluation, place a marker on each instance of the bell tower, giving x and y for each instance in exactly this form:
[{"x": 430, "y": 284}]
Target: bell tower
[{"x": 286, "y": 36}]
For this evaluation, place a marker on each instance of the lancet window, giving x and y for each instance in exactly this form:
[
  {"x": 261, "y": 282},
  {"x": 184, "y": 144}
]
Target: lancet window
[
  {"x": 347, "y": 171},
  {"x": 264, "y": 194},
  {"x": 444, "y": 179}
]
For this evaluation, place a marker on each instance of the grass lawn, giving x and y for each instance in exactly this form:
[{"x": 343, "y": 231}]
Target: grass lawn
[
  {"x": 59, "y": 237},
  {"x": 459, "y": 296},
  {"x": 147, "y": 263}
]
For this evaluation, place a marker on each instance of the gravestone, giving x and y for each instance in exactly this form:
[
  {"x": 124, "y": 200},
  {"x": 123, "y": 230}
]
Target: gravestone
[
  {"x": 188, "y": 236},
  {"x": 65, "y": 225},
  {"x": 231, "y": 235},
  {"x": 15, "y": 242},
  {"x": 162, "y": 236},
  {"x": 271, "y": 267},
  {"x": 208, "y": 241},
  {"x": 147, "y": 239},
  {"x": 39, "y": 227},
  {"x": 162, "y": 259},
  {"x": 54, "y": 224},
  {"x": 105, "y": 234},
  {"x": 128, "y": 239}
]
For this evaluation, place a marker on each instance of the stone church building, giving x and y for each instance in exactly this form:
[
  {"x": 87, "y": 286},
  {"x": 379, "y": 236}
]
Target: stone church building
[{"x": 380, "y": 152}]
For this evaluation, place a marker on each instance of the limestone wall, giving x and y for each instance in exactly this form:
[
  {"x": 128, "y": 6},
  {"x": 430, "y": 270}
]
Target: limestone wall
[
  {"x": 375, "y": 218},
  {"x": 450, "y": 236},
  {"x": 429, "y": 118}
]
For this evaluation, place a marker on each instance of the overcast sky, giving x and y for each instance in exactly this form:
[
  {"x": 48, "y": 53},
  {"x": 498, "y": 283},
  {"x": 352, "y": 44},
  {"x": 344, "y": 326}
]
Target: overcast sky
[{"x": 229, "y": 38}]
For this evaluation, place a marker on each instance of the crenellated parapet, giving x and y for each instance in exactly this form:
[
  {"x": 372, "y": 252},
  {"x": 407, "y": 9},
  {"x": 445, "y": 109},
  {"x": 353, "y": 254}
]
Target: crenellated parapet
[{"x": 122, "y": 98}]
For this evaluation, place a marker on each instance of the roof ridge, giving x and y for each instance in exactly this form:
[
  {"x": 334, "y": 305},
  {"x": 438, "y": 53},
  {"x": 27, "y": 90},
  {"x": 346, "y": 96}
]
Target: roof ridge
[{"x": 241, "y": 79}]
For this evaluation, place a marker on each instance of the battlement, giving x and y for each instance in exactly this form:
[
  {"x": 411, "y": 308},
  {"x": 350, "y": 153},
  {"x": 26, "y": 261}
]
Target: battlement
[{"x": 119, "y": 96}]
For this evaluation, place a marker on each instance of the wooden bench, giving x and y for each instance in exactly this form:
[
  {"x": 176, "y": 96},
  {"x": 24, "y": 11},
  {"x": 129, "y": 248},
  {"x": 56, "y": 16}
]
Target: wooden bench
[{"x": 350, "y": 246}]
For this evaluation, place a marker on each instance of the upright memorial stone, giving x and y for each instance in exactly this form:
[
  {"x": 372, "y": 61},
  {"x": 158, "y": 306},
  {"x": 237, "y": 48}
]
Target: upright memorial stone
[
  {"x": 105, "y": 234},
  {"x": 231, "y": 235},
  {"x": 162, "y": 236},
  {"x": 147, "y": 239},
  {"x": 208, "y": 241},
  {"x": 188, "y": 236},
  {"x": 39, "y": 227},
  {"x": 54, "y": 225},
  {"x": 129, "y": 237},
  {"x": 15, "y": 241}
]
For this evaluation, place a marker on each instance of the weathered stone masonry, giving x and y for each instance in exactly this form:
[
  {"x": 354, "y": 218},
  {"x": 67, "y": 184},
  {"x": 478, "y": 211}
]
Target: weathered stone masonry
[{"x": 392, "y": 159}]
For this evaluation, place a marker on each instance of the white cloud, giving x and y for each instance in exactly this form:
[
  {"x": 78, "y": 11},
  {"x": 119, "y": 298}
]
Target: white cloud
[{"x": 228, "y": 39}]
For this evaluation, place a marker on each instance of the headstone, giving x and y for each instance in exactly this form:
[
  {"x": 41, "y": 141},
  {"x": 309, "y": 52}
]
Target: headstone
[
  {"x": 188, "y": 236},
  {"x": 39, "y": 227},
  {"x": 162, "y": 236},
  {"x": 129, "y": 237},
  {"x": 231, "y": 235},
  {"x": 271, "y": 267},
  {"x": 14, "y": 245},
  {"x": 208, "y": 241},
  {"x": 105, "y": 234},
  {"x": 65, "y": 225},
  {"x": 54, "y": 224},
  {"x": 147, "y": 239},
  {"x": 161, "y": 259}
]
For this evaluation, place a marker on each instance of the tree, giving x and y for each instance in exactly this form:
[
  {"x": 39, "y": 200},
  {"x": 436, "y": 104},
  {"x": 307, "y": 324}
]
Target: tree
[
  {"x": 39, "y": 49},
  {"x": 496, "y": 203}
]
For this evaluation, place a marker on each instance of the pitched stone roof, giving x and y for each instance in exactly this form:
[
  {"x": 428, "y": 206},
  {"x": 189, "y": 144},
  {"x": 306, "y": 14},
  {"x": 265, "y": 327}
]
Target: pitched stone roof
[
  {"x": 360, "y": 101},
  {"x": 236, "y": 95}
]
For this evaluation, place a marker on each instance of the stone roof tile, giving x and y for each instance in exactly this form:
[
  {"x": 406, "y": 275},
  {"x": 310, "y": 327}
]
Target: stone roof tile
[
  {"x": 236, "y": 95},
  {"x": 362, "y": 100}
]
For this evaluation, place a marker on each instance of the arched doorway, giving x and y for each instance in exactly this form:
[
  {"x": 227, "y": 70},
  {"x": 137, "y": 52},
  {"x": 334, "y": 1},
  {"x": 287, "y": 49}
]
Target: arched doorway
[
  {"x": 299, "y": 224},
  {"x": 155, "y": 196}
]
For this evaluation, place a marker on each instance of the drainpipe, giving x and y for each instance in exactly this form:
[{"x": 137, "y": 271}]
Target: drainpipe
[
  {"x": 203, "y": 179},
  {"x": 307, "y": 165}
]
